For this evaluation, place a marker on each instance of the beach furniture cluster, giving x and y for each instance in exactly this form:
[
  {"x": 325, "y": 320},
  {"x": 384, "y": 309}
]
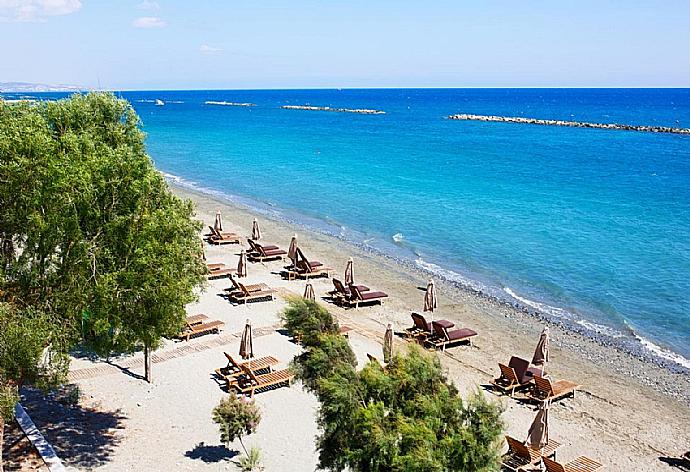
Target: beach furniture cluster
[{"x": 519, "y": 378}]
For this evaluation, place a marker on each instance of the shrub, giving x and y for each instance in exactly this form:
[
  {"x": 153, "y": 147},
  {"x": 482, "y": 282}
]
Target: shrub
[
  {"x": 252, "y": 461},
  {"x": 236, "y": 418},
  {"x": 307, "y": 320}
]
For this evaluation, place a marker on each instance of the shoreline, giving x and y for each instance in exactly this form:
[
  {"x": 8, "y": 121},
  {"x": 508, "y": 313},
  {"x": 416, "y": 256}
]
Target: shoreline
[
  {"x": 628, "y": 342},
  {"x": 666, "y": 378}
]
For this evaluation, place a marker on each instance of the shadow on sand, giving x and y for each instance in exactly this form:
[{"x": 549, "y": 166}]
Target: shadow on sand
[
  {"x": 82, "y": 437},
  {"x": 210, "y": 454}
]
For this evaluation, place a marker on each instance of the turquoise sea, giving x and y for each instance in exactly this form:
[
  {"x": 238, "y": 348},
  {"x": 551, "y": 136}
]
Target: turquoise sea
[{"x": 590, "y": 227}]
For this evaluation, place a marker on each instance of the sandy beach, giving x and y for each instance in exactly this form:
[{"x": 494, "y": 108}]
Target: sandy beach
[{"x": 629, "y": 414}]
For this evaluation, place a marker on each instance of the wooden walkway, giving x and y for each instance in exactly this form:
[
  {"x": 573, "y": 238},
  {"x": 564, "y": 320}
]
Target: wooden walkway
[{"x": 191, "y": 347}]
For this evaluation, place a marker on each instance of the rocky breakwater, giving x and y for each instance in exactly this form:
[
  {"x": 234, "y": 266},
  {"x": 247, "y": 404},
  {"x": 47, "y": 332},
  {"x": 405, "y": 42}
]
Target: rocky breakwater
[
  {"x": 574, "y": 124},
  {"x": 361, "y": 111},
  {"x": 229, "y": 104}
]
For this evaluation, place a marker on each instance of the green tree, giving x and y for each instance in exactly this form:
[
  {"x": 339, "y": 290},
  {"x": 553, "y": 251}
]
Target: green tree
[
  {"x": 31, "y": 352},
  {"x": 235, "y": 418},
  {"x": 90, "y": 232},
  {"x": 307, "y": 320}
]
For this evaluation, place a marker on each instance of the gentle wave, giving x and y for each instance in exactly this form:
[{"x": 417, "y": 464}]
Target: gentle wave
[
  {"x": 564, "y": 314},
  {"x": 398, "y": 237},
  {"x": 663, "y": 353},
  {"x": 450, "y": 275}
]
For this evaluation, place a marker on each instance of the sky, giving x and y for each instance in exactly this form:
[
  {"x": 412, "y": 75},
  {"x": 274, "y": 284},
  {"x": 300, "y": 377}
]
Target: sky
[{"x": 243, "y": 44}]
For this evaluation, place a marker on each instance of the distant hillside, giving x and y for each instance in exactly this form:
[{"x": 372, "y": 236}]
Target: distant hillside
[{"x": 29, "y": 87}]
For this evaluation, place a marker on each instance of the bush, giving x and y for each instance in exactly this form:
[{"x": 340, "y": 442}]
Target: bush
[
  {"x": 407, "y": 417},
  {"x": 333, "y": 353},
  {"x": 236, "y": 418},
  {"x": 307, "y": 320}
]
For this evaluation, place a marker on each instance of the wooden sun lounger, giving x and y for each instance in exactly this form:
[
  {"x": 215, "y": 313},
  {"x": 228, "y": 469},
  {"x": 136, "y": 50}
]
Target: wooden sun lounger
[
  {"x": 223, "y": 238},
  {"x": 544, "y": 389},
  {"x": 244, "y": 295},
  {"x": 259, "y": 366},
  {"x": 421, "y": 328},
  {"x": 444, "y": 337},
  {"x": 342, "y": 294},
  {"x": 196, "y": 319},
  {"x": 305, "y": 268},
  {"x": 520, "y": 456},
  {"x": 252, "y": 383},
  {"x": 238, "y": 288},
  {"x": 216, "y": 266},
  {"x": 193, "y": 330},
  {"x": 581, "y": 464},
  {"x": 260, "y": 253},
  {"x": 364, "y": 297},
  {"x": 515, "y": 376},
  {"x": 220, "y": 273}
]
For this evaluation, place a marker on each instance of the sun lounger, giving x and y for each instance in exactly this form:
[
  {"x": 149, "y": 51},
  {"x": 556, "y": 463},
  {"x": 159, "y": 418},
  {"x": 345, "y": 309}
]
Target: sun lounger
[
  {"x": 514, "y": 376},
  {"x": 238, "y": 288},
  {"x": 544, "y": 389},
  {"x": 262, "y": 253},
  {"x": 521, "y": 456},
  {"x": 421, "y": 328},
  {"x": 223, "y": 238},
  {"x": 581, "y": 464},
  {"x": 342, "y": 292},
  {"x": 220, "y": 273},
  {"x": 196, "y": 319},
  {"x": 306, "y": 268},
  {"x": 259, "y": 366},
  {"x": 217, "y": 266},
  {"x": 364, "y": 297},
  {"x": 199, "y": 328},
  {"x": 250, "y": 383},
  {"x": 443, "y": 336},
  {"x": 244, "y": 295}
]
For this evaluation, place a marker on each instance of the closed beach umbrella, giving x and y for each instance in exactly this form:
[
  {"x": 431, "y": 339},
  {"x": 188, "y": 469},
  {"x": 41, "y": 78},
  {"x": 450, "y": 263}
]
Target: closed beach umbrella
[
  {"x": 218, "y": 223},
  {"x": 538, "y": 435},
  {"x": 388, "y": 344},
  {"x": 541, "y": 353},
  {"x": 242, "y": 264},
  {"x": 246, "y": 346},
  {"x": 430, "y": 303},
  {"x": 256, "y": 231},
  {"x": 292, "y": 250},
  {"x": 349, "y": 273},
  {"x": 309, "y": 292}
]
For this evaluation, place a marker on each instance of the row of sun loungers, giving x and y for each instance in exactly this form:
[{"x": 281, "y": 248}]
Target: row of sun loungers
[{"x": 253, "y": 376}]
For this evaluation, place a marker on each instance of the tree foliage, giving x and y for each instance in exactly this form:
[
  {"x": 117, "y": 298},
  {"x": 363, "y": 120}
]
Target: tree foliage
[
  {"x": 404, "y": 417},
  {"x": 90, "y": 232},
  {"x": 307, "y": 320}
]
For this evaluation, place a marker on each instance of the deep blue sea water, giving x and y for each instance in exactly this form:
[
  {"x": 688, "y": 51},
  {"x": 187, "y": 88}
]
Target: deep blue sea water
[{"x": 588, "y": 225}]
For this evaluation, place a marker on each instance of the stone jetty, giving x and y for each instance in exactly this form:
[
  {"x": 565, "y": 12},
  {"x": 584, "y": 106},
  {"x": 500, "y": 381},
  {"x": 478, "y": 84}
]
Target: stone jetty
[
  {"x": 361, "y": 111},
  {"x": 574, "y": 124}
]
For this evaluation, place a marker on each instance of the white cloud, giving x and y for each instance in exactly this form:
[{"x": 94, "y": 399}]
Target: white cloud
[
  {"x": 36, "y": 10},
  {"x": 209, "y": 50},
  {"x": 148, "y": 5},
  {"x": 148, "y": 22}
]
